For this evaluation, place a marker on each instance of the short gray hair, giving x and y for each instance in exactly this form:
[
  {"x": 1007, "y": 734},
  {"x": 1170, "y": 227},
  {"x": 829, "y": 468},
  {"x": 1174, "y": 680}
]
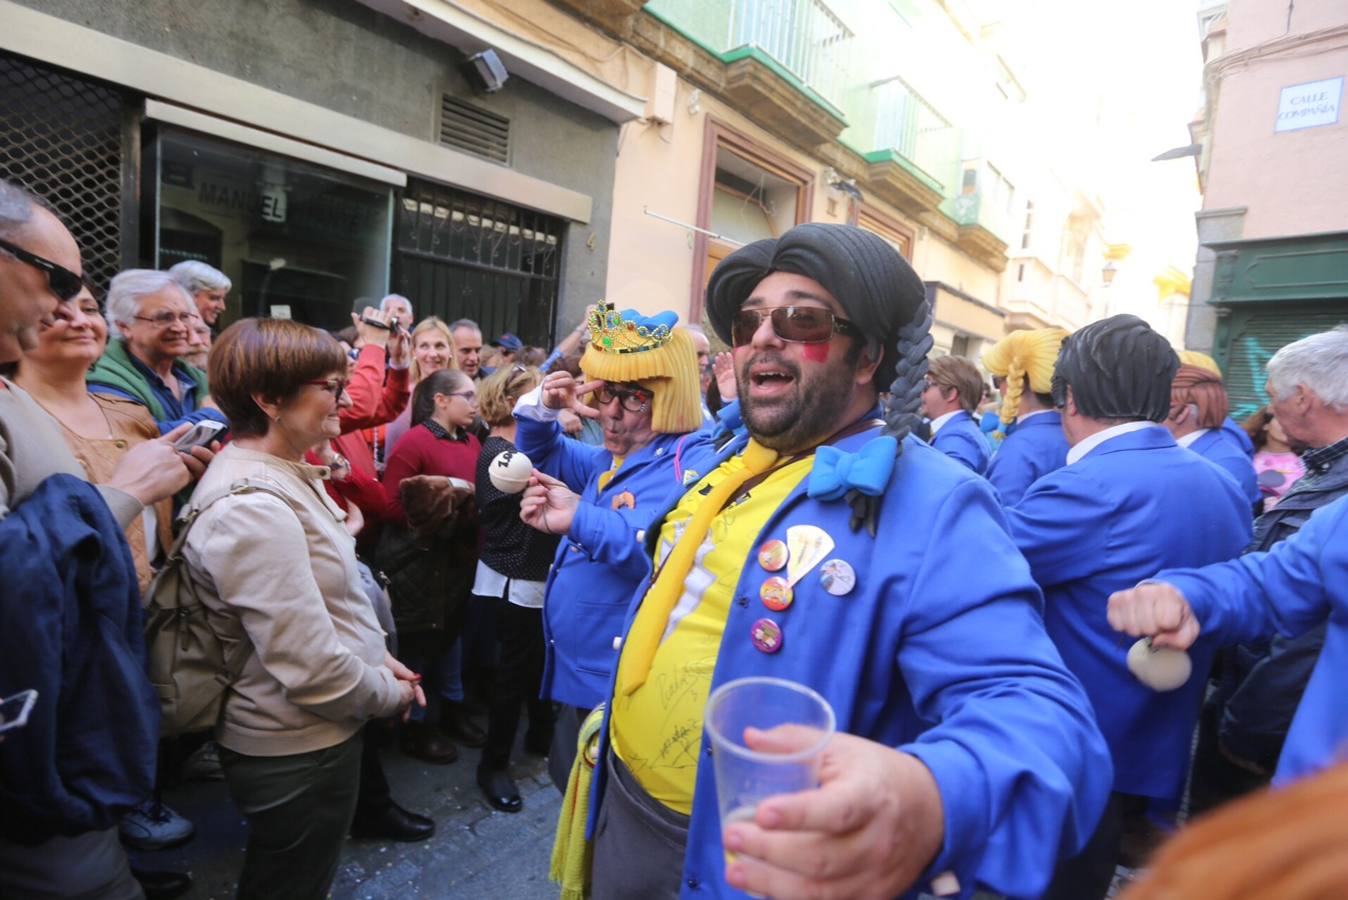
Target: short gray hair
[
  {"x": 383, "y": 304},
  {"x": 16, "y": 209},
  {"x": 128, "y": 287},
  {"x": 196, "y": 276},
  {"x": 1319, "y": 363},
  {"x": 464, "y": 323}
]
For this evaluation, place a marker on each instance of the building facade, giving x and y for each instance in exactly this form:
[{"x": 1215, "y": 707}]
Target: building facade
[
  {"x": 317, "y": 153},
  {"x": 1272, "y": 139}
]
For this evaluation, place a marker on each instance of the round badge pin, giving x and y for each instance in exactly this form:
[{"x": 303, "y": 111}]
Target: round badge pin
[
  {"x": 772, "y": 556},
  {"x": 838, "y": 577},
  {"x": 766, "y": 635},
  {"x": 776, "y": 593}
]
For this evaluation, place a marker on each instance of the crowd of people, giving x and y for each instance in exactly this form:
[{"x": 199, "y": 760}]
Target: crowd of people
[{"x": 954, "y": 567}]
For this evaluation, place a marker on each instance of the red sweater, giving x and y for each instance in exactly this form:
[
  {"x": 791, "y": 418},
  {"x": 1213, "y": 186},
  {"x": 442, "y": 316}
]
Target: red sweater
[
  {"x": 420, "y": 452},
  {"x": 377, "y": 395}
]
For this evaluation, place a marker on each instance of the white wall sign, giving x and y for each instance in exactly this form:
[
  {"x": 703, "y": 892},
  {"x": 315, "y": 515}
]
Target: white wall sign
[{"x": 1310, "y": 105}]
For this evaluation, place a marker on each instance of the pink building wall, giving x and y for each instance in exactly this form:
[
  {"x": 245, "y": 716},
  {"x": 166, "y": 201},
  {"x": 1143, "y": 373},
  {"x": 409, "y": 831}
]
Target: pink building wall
[{"x": 1294, "y": 182}]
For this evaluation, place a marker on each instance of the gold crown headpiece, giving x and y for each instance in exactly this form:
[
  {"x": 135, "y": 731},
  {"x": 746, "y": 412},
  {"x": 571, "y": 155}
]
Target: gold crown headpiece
[{"x": 628, "y": 332}]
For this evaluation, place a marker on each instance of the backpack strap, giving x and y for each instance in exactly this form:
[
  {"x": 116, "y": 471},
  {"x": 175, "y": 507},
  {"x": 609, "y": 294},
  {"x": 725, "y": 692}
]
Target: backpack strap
[{"x": 190, "y": 515}]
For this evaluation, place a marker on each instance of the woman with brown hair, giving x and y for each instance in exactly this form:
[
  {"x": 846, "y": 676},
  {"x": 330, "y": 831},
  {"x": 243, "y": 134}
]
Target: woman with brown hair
[
  {"x": 276, "y": 568},
  {"x": 429, "y": 549}
]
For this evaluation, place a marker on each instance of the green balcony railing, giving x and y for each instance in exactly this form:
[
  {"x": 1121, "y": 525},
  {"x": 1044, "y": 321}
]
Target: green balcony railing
[{"x": 912, "y": 128}]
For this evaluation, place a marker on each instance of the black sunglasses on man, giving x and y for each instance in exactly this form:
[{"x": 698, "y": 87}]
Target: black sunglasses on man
[
  {"x": 65, "y": 284},
  {"x": 797, "y": 324}
]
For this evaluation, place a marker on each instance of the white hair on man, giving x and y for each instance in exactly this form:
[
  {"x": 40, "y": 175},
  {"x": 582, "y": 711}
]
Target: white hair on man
[
  {"x": 1319, "y": 363},
  {"x": 196, "y": 276},
  {"x": 465, "y": 323},
  {"x": 127, "y": 289},
  {"x": 398, "y": 305},
  {"x": 16, "y": 210}
]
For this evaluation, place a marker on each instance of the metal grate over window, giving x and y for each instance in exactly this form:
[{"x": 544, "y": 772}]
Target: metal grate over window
[
  {"x": 61, "y": 137},
  {"x": 474, "y": 130}
]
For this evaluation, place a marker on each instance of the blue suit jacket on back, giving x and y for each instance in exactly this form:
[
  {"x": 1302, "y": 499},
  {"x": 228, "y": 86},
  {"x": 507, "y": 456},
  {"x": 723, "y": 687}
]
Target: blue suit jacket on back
[
  {"x": 938, "y": 650},
  {"x": 1035, "y": 448},
  {"x": 1132, "y": 506},
  {"x": 1292, "y": 588},
  {"x": 1216, "y": 448},
  {"x": 1238, "y": 437},
  {"x": 961, "y": 439}
]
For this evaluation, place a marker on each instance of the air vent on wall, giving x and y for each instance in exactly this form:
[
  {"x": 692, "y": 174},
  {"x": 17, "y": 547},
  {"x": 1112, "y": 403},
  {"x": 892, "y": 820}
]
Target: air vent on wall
[{"x": 474, "y": 130}]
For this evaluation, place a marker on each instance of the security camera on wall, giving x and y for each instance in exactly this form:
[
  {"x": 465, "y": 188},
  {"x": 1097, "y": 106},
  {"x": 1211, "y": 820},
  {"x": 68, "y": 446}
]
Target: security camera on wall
[{"x": 485, "y": 71}]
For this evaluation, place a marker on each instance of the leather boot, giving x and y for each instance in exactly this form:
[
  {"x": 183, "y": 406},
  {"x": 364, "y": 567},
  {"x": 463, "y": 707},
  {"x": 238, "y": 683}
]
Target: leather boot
[{"x": 422, "y": 741}]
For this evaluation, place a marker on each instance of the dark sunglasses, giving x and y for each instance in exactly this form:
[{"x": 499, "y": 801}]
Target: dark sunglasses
[
  {"x": 65, "y": 284},
  {"x": 797, "y": 324},
  {"x": 334, "y": 386},
  {"x": 634, "y": 401}
]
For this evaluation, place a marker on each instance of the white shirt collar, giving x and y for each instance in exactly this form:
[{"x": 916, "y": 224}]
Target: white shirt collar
[
  {"x": 1095, "y": 440},
  {"x": 1191, "y": 437},
  {"x": 1031, "y": 415},
  {"x": 940, "y": 420}
]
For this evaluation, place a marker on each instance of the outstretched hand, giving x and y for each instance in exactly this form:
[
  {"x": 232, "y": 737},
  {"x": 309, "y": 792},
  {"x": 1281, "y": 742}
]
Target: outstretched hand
[
  {"x": 1155, "y": 610},
  {"x": 548, "y": 505},
  {"x": 723, "y": 369}
]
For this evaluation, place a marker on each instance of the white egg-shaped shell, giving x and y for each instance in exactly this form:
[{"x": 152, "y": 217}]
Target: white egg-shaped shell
[
  {"x": 1159, "y": 668},
  {"x": 509, "y": 471}
]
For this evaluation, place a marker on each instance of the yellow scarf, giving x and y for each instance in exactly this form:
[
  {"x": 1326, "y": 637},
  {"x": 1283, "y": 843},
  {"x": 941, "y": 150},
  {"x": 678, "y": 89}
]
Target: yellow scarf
[{"x": 653, "y": 616}]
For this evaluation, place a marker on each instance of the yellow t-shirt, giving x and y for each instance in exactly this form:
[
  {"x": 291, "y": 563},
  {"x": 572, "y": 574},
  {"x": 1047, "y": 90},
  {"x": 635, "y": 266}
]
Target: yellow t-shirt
[{"x": 657, "y": 730}]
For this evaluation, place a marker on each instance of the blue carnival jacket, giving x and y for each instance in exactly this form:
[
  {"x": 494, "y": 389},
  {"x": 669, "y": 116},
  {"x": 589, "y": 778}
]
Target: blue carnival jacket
[
  {"x": 1035, "y": 448},
  {"x": 1221, "y": 450},
  {"x": 1292, "y": 588},
  {"x": 71, "y": 627},
  {"x": 1132, "y": 506},
  {"x": 961, "y": 439},
  {"x": 601, "y": 559},
  {"x": 939, "y": 650},
  {"x": 1237, "y": 436}
]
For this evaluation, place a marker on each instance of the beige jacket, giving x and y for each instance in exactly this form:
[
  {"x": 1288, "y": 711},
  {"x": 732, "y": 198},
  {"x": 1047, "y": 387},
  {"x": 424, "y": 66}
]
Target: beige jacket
[{"x": 285, "y": 574}]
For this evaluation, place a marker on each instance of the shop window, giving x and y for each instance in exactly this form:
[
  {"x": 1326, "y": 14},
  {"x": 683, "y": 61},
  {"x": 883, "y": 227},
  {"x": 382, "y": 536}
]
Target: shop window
[{"x": 298, "y": 240}]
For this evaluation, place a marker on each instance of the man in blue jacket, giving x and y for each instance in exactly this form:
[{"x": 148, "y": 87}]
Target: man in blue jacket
[
  {"x": 1198, "y": 406},
  {"x": 1128, "y": 503},
  {"x": 949, "y": 397},
  {"x": 837, "y": 552},
  {"x": 644, "y": 391},
  {"x": 1022, "y": 367},
  {"x": 1290, "y": 589}
]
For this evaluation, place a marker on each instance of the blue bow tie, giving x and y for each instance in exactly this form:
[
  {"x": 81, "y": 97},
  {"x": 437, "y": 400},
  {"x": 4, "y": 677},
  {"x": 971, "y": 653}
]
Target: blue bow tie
[{"x": 836, "y": 471}]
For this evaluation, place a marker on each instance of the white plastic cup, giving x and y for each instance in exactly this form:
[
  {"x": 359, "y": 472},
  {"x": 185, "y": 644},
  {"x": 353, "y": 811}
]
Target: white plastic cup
[{"x": 745, "y": 777}]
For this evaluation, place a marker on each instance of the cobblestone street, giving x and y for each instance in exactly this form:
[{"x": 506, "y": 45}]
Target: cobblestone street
[{"x": 475, "y": 852}]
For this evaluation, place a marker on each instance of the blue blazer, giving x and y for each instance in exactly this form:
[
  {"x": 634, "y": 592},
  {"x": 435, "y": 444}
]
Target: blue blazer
[
  {"x": 939, "y": 650},
  {"x": 1237, "y": 436},
  {"x": 1035, "y": 448},
  {"x": 1134, "y": 505},
  {"x": 1217, "y": 448},
  {"x": 961, "y": 439},
  {"x": 1292, "y": 588},
  {"x": 601, "y": 559}
]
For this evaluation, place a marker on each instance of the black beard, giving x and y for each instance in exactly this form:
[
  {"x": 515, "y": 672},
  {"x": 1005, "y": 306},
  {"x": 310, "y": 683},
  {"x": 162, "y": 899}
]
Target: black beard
[{"x": 801, "y": 419}]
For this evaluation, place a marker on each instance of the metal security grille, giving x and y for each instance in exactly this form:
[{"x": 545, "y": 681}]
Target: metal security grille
[
  {"x": 1254, "y": 334},
  {"x": 476, "y": 131},
  {"x": 461, "y": 255},
  {"x": 61, "y": 137}
]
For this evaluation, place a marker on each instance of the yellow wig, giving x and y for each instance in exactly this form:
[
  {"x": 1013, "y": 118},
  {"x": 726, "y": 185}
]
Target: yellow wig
[
  {"x": 1021, "y": 354},
  {"x": 1202, "y": 360},
  {"x": 664, "y": 363}
]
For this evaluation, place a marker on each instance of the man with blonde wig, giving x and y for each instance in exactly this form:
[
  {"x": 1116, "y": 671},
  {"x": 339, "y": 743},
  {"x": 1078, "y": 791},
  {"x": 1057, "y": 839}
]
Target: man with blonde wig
[
  {"x": 1230, "y": 430},
  {"x": 1021, "y": 365},
  {"x": 643, "y": 389},
  {"x": 1198, "y": 405}
]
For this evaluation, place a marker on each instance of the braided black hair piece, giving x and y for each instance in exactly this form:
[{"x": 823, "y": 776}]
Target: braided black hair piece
[{"x": 903, "y": 410}]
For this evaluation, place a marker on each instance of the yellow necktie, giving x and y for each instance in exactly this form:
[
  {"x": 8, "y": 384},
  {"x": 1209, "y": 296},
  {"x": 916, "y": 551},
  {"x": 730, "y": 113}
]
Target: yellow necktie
[
  {"x": 607, "y": 476},
  {"x": 649, "y": 625}
]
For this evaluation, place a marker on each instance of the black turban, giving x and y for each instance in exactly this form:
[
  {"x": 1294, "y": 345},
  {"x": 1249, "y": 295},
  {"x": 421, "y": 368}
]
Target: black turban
[
  {"x": 1117, "y": 368},
  {"x": 875, "y": 285}
]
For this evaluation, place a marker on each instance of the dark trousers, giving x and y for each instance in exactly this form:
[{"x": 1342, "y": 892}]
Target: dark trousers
[
  {"x": 373, "y": 796},
  {"x": 1088, "y": 875},
  {"x": 298, "y": 809},
  {"x": 564, "y": 736},
  {"x": 639, "y": 844},
  {"x": 515, "y": 682}
]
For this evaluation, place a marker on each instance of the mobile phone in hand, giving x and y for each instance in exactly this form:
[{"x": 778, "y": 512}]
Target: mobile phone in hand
[
  {"x": 199, "y": 435},
  {"x": 14, "y": 710}
]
